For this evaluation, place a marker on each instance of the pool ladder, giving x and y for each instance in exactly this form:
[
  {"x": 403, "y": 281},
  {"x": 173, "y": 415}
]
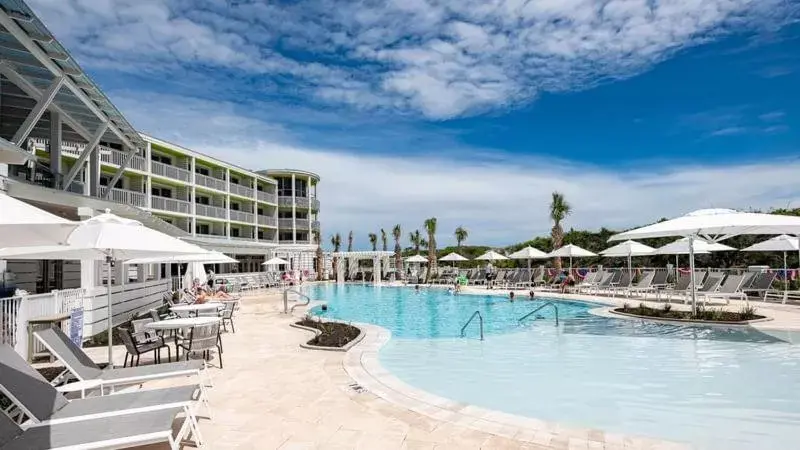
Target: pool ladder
[
  {"x": 480, "y": 322},
  {"x": 555, "y": 308},
  {"x": 286, "y": 309}
]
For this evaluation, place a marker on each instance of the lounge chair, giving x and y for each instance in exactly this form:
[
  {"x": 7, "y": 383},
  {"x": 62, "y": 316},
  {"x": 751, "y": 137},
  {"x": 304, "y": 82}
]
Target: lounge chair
[
  {"x": 710, "y": 285},
  {"x": 41, "y": 403},
  {"x": 121, "y": 431},
  {"x": 760, "y": 285},
  {"x": 730, "y": 288},
  {"x": 525, "y": 278},
  {"x": 591, "y": 280},
  {"x": 680, "y": 288},
  {"x": 624, "y": 282},
  {"x": 644, "y": 283},
  {"x": 84, "y": 369}
]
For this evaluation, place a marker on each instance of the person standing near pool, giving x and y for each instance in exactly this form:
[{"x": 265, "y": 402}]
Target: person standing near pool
[{"x": 489, "y": 275}]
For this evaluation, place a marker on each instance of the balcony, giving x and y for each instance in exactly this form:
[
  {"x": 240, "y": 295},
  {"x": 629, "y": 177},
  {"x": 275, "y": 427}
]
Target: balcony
[
  {"x": 241, "y": 216},
  {"x": 242, "y": 238},
  {"x": 211, "y": 236},
  {"x": 210, "y": 211},
  {"x": 267, "y": 221},
  {"x": 301, "y": 223},
  {"x": 238, "y": 189},
  {"x": 286, "y": 223},
  {"x": 124, "y": 196},
  {"x": 209, "y": 182},
  {"x": 315, "y": 225},
  {"x": 176, "y": 173},
  {"x": 267, "y": 197},
  {"x": 284, "y": 200},
  {"x": 301, "y": 202},
  {"x": 171, "y": 204},
  {"x": 107, "y": 155},
  {"x": 315, "y": 204},
  {"x": 302, "y": 241}
]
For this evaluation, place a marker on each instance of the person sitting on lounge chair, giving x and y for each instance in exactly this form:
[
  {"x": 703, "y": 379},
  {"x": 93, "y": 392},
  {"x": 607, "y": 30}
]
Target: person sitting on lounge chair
[{"x": 567, "y": 280}]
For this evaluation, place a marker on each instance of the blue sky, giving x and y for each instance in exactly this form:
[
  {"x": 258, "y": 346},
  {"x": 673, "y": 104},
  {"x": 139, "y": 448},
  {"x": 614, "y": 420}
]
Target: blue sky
[{"x": 470, "y": 111}]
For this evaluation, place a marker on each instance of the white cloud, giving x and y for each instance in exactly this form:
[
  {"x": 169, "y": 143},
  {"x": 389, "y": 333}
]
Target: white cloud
[
  {"x": 442, "y": 58},
  {"x": 501, "y": 200}
]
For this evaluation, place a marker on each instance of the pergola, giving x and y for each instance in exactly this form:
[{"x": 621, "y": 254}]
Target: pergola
[{"x": 378, "y": 258}]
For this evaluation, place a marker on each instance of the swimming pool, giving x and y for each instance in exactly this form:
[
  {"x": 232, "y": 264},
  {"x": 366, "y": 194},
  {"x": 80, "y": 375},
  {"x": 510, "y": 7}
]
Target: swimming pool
[{"x": 709, "y": 386}]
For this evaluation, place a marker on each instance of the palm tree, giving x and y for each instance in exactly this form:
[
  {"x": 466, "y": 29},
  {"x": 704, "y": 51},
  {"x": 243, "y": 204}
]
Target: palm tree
[
  {"x": 397, "y": 233},
  {"x": 336, "y": 243},
  {"x": 373, "y": 239},
  {"x": 461, "y": 235},
  {"x": 319, "y": 258},
  {"x": 416, "y": 240},
  {"x": 384, "y": 239},
  {"x": 349, "y": 249},
  {"x": 430, "y": 227},
  {"x": 559, "y": 209}
]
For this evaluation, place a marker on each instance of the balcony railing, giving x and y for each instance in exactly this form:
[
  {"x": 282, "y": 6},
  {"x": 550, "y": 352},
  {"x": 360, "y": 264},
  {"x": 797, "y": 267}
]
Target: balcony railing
[
  {"x": 238, "y": 189},
  {"x": 315, "y": 204},
  {"x": 209, "y": 182},
  {"x": 241, "y": 216},
  {"x": 302, "y": 241},
  {"x": 284, "y": 200},
  {"x": 301, "y": 202},
  {"x": 266, "y": 197},
  {"x": 210, "y": 211},
  {"x": 285, "y": 223},
  {"x": 124, "y": 196},
  {"x": 173, "y": 172},
  {"x": 242, "y": 238},
  {"x": 267, "y": 220},
  {"x": 301, "y": 223},
  {"x": 171, "y": 204},
  {"x": 107, "y": 155},
  {"x": 315, "y": 225},
  {"x": 210, "y": 235}
]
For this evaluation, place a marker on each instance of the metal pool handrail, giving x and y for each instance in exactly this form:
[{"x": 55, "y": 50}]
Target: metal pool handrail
[
  {"x": 480, "y": 322},
  {"x": 286, "y": 291},
  {"x": 537, "y": 309}
]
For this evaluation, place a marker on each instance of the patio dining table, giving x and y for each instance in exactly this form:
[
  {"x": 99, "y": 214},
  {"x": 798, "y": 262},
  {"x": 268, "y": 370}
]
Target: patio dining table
[
  {"x": 181, "y": 323},
  {"x": 197, "y": 307}
]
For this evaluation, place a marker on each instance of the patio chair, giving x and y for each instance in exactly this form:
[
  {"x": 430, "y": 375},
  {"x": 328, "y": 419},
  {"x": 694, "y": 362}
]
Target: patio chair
[
  {"x": 538, "y": 277},
  {"x": 202, "y": 339},
  {"x": 730, "y": 288},
  {"x": 227, "y": 315},
  {"x": 134, "y": 348},
  {"x": 42, "y": 403},
  {"x": 710, "y": 285},
  {"x": 590, "y": 280},
  {"x": 644, "y": 283},
  {"x": 84, "y": 369},
  {"x": 760, "y": 285},
  {"x": 121, "y": 431},
  {"x": 680, "y": 287}
]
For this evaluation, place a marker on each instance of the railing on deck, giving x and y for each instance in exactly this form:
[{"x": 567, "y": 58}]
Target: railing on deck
[{"x": 15, "y": 312}]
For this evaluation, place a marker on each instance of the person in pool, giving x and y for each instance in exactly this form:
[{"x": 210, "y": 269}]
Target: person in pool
[
  {"x": 511, "y": 296},
  {"x": 531, "y": 294},
  {"x": 416, "y": 287}
]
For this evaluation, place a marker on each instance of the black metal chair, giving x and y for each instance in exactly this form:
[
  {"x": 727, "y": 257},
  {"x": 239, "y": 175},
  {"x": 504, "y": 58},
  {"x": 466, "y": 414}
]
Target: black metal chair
[
  {"x": 136, "y": 349},
  {"x": 227, "y": 315}
]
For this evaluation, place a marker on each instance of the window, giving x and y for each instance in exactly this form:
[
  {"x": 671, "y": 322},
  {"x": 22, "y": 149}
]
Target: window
[
  {"x": 301, "y": 214},
  {"x": 202, "y": 171},
  {"x": 285, "y": 236},
  {"x": 234, "y": 232},
  {"x": 235, "y": 207},
  {"x": 260, "y": 211},
  {"x": 234, "y": 180},
  {"x": 260, "y": 234},
  {"x": 285, "y": 187},
  {"x": 202, "y": 200},
  {"x": 162, "y": 192},
  {"x": 202, "y": 228},
  {"x": 161, "y": 158},
  {"x": 300, "y": 187},
  {"x": 104, "y": 180},
  {"x": 259, "y": 188},
  {"x": 284, "y": 214},
  {"x": 302, "y": 236}
]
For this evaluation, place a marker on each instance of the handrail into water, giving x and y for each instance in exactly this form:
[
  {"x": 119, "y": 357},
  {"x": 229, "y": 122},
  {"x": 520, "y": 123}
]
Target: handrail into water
[
  {"x": 286, "y": 291},
  {"x": 555, "y": 308},
  {"x": 480, "y": 322}
]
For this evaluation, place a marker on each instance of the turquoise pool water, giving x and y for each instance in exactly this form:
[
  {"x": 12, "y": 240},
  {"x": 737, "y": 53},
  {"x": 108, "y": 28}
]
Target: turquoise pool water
[{"x": 709, "y": 386}]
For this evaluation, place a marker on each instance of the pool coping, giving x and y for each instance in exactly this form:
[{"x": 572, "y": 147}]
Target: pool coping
[{"x": 362, "y": 364}]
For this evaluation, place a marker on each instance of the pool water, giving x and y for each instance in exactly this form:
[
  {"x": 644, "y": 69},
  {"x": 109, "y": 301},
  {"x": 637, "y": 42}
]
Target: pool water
[{"x": 712, "y": 387}]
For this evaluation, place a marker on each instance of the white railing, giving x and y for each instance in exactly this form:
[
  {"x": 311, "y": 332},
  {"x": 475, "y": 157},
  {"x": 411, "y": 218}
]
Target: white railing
[
  {"x": 210, "y": 211},
  {"x": 315, "y": 204},
  {"x": 170, "y": 171},
  {"x": 241, "y": 216},
  {"x": 171, "y": 204},
  {"x": 209, "y": 182},
  {"x": 301, "y": 223},
  {"x": 286, "y": 223},
  {"x": 301, "y": 202},
  {"x": 266, "y": 220},
  {"x": 107, "y": 155},
  {"x": 315, "y": 225},
  {"x": 242, "y": 238},
  {"x": 15, "y": 312},
  {"x": 238, "y": 189},
  {"x": 212, "y": 236},
  {"x": 284, "y": 200},
  {"x": 125, "y": 196},
  {"x": 266, "y": 197}
]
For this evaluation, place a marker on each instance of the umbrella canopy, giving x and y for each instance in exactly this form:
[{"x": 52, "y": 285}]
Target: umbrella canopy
[
  {"x": 453, "y": 257},
  {"x": 24, "y": 225},
  {"x": 681, "y": 247},
  {"x": 724, "y": 223},
  {"x": 275, "y": 262},
  {"x": 13, "y": 154},
  {"x": 782, "y": 243},
  {"x": 491, "y": 255},
  {"x": 570, "y": 251},
  {"x": 194, "y": 271},
  {"x": 528, "y": 253},
  {"x": 108, "y": 237},
  {"x": 211, "y": 257},
  {"x": 417, "y": 259},
  {"x": 628, "y": 248}
]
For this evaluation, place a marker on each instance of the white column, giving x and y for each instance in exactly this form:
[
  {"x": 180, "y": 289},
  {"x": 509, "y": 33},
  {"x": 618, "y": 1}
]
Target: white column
[
  {"x": 89, "y": 279},
  {"x": 308, "y": 213},
  {"x": 94, "y": 173},
  {"x": 340, "y": 270},
  {"x": 227, "y": 203},
  {"x": 294, "y": 211},
  {"x": 376, "y": 270},
  {"x": 193, "y": 195},
  {"x": 55, "y": 147}
]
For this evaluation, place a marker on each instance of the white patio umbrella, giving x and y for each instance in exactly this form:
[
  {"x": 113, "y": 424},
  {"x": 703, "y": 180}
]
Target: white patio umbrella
[
  {"x": 528, "y": 253},
  {"x": 628, "y": 249},
  {"x": 11, "y": 153},
  {"x": 782, "y": 243},
  {"x": 453, "y": 257},
  {"x": 194, "y": 271},
  {"x": 275, "y": 262},
  {"x": 570, "y": 251},
  {"x": 681, "y": 247},
  {"x": 417, "y": 259},
  {"x": 108, "y": 238},
  {"x": 24, "y": 225},
  {"x": 715, "y": 225},
  {"x": 492, "y": 255},
  {"x": 210, "y": 257}
]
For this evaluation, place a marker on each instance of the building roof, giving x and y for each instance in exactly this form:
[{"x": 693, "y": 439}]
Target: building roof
[
  {"x": 35, "y": 65},
  {"x": 278, "y": 172},
  {"x": 361, "y": 254}
]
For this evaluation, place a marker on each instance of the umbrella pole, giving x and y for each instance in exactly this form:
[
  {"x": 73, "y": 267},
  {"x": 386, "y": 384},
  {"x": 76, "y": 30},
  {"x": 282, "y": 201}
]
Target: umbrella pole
[
  {"x": 785, "y": 279},
  {"x": 110, "y": 321},
  {"x": 691, "y": 275},
  {"x": 630, "y": 269}
]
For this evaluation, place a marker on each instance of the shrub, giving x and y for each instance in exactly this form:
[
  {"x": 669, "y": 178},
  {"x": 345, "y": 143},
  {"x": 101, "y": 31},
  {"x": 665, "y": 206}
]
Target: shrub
[
  {"x": 667, "y": 307},
  {"x": 747, "y": 312}
]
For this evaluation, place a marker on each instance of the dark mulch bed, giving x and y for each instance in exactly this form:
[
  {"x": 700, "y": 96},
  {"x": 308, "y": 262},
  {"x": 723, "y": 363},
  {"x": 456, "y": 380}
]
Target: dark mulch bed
[
  {"x": 333, "y": 334},
  {"x": 703, "y": 314}
]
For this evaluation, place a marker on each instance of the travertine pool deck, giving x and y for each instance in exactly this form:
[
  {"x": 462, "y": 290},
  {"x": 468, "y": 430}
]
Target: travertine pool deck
[{"x": 272, "y": 394}]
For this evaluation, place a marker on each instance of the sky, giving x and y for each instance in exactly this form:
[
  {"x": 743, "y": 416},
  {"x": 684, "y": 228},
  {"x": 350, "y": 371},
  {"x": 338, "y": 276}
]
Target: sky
[{"x": 470, "y": 111}]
